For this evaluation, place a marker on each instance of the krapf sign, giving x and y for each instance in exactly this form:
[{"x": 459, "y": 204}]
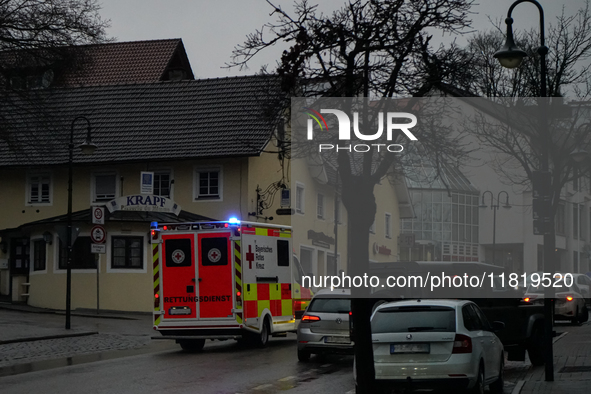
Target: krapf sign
[{"x": 144, "y": 202}]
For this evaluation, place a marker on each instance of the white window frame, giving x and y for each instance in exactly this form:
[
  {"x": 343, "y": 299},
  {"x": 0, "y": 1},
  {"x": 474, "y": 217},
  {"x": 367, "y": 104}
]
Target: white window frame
[
  {"x": 31, "y": 175},
  {"x": 302, "y": 202},
  {"x": 32, "y": 255},
  {"x": 320, "y": 206},
  {"x": 127, "y": 270},
  {"x": 196, "y": 171},
  {"x": 93, "y": 176},
  {"x": 170, "y": 172},
  {"x": 388, "y": 225}
]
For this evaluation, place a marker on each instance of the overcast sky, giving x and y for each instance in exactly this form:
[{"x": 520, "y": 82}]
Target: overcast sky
[{"x": 210, "y": 29}]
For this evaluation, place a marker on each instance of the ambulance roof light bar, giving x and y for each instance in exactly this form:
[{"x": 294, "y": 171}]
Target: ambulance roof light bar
[
  {"x": 234, "y": 221},
  {"x": 154, "y": 225}
]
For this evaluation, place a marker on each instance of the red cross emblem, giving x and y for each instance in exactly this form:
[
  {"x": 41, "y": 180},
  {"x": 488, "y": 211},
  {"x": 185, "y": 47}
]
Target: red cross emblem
[
  {"x": 214, "y": 255},
  {"x": 178, "y": 256},
  {"x": 249, "y": 256}
]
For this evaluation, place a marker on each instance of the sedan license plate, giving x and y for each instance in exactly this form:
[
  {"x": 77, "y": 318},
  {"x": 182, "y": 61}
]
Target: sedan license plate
[
  {"x": 337, "y": 340},
  {"x": 398, "y": 348}
]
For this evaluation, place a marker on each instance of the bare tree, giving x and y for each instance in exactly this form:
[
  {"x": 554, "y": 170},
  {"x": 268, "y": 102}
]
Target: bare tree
[
  {"x": 569, "y": 43},
  {"x": 369, "y": 48},
  {"x": 38, "y": 38}
]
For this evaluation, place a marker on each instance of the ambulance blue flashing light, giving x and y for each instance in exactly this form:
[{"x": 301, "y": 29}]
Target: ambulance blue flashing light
[
  {"x": 154, "y": 225},
  {"x": 234, "y": 221}
]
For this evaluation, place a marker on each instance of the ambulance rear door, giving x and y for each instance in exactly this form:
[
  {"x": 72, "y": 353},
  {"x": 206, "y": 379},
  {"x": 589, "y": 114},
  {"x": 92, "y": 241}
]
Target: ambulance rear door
[
  {"x": 179, "y": 288},
  {"x": 215, "y": 275}
]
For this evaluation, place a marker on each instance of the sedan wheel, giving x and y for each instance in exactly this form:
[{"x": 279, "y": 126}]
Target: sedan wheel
[
  {"x": 497, "y": 385},
  {"x": 478, "y": 388}
]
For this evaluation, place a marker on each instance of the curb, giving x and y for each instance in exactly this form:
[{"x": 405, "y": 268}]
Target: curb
[
  {"x": 519, "y": 385},
  {"x": 31, "y": 339},
  {"x": 11, "y": 307}
]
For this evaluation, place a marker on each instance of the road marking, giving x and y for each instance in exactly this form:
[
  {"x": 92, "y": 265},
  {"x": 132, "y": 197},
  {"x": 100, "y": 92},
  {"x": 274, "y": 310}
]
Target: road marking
[
  {"x": 263, "y": 387},
  {"x": 325, "y": 365},
  {"x": 285, "y": 379},
  {"x": 518, "y": 387},
  {"x": 559, "y": 337}
]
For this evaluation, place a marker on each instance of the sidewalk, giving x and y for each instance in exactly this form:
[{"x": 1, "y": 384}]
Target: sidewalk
[
  {"x": 572, "y": 365},
  {"x": 19, "y": 332},
  {"x": 30, "y": 335}
]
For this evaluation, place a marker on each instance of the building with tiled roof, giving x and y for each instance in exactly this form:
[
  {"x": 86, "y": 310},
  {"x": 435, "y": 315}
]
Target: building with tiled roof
[
  {"x": 203, "y": 141},
  {"x": 97, "y": 65}
]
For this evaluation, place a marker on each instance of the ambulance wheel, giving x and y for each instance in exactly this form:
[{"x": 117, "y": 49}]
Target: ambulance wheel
[
  {"x": 192, "y": 345},
  {"x": 263, "y": 338}
]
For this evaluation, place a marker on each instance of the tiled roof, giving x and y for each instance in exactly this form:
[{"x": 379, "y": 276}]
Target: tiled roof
[
  {"x": 157, "y": 121},
  {"x": 128, "y": 62}
]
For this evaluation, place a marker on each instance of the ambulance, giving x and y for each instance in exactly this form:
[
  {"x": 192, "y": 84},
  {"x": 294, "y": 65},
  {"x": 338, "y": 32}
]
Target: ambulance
[{"x": 223, "y": 280}]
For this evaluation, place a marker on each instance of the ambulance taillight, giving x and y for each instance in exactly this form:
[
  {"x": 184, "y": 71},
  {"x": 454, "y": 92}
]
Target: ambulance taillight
[
  {"x": 155, "y": 235},
  {"x": 156, "y": 301},
  {"x": 238, "y": 299}
]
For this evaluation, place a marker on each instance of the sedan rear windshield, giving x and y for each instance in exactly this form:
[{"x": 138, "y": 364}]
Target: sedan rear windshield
[
  {"x": 330, "y": 305},
  {"x": 414, "y": 319}
]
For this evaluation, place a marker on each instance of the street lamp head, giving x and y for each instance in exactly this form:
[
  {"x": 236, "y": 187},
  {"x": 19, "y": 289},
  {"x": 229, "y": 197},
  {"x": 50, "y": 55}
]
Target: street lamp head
[
  {"x": 87, "y": 148},
  {"x": 579, "y": 155},
  {"x": 510, "y": 56}
]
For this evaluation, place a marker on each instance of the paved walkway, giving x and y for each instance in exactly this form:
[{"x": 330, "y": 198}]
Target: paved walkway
[
  {"x": 572, "y": 365},
  {"x": 31, "y": 337}
]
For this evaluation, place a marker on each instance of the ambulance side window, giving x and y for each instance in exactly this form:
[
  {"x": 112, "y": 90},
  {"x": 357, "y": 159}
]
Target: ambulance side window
[{"x": 283, "y": 253}]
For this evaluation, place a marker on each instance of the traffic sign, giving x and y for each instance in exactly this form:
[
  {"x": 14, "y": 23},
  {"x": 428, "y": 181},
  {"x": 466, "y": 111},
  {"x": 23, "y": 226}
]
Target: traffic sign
[
  {"x": 98, "y": 248},
  {"x": 98, "y": 234},
  {"x": 98, "y": 215}
]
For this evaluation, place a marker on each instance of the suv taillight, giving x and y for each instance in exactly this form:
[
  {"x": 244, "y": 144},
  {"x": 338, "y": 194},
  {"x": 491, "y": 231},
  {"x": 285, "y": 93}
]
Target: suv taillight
[
  {"x": 462, "y": 344},
  {"x": 309, "y": 318}
]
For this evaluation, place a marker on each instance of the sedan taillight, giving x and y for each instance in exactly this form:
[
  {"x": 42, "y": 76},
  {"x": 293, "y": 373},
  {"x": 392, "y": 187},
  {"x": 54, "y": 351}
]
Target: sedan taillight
[
  {"x": 462, "y": 344},
  {"x": 308, "y": 318}
]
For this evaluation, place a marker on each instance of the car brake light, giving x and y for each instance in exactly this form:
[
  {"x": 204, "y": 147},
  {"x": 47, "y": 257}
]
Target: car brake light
[
  {"x": 569, "y": 298},
  {"x": 526, "y": 299},
  {"x": 462, "y": 344},
  {"x": 310, "y": 318}
]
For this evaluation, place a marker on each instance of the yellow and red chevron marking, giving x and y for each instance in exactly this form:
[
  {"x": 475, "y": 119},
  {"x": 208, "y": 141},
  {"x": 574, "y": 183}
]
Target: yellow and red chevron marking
[
  {"x": 270, "y": 232},
  {"x": 238, "y": 278},
  {"x": 156, "y": 272},
  {"x": 276, "y": 297}
]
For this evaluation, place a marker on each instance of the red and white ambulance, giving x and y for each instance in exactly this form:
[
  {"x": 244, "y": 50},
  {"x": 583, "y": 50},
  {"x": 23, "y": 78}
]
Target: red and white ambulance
[{"x": 220, "y": 280}]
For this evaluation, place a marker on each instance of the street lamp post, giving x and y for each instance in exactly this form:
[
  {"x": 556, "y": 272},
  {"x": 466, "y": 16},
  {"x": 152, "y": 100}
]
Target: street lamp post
[
  {"x": 510, "y": 56},
  {"x": 87, "y": 148},
  {"x": 495, "y": 208}
]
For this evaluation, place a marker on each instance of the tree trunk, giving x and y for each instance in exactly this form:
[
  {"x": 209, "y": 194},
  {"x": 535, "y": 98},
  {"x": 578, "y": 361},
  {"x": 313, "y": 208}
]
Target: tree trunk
[{"x": 359, "y": 200}]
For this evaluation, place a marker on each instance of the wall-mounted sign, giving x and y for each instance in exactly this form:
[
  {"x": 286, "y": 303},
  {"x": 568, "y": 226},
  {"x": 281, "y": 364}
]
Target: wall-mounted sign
[
  {"x": 320, "y": 239},
  {"x": 384, "y": 250},
  {"x": 147, "y": 182},
  {"x": 285, "y": 198},
  {"x": 144, "y": 202}
]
